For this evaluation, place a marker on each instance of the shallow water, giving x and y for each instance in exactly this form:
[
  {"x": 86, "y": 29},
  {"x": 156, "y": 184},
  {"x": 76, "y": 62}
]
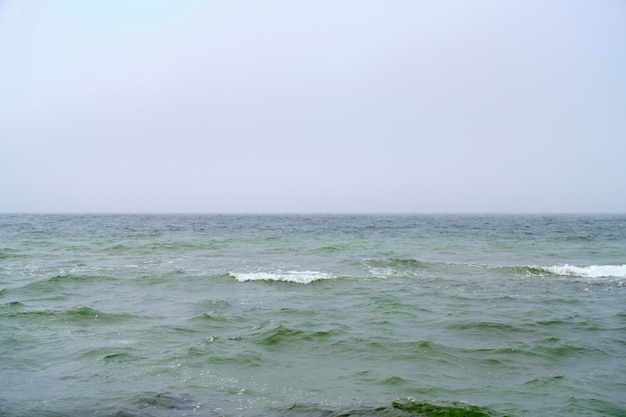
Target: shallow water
[{"x": 312, "y": 315}]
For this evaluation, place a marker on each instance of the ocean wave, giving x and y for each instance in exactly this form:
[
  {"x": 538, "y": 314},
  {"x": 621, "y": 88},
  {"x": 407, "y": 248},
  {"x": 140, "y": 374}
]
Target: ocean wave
[
  {"x": 397, "y": 409},
  {"x": 75, "y": 314},
  {"x": 168, "y": 404},
  {"x": 282, "y": 335},
  {"x": 298, "y": 277},
  {"x": 393, "y": 263},
  {"x": 389, "y": 267},
  {"x": 565, "y": 270},
  {"x": 591, "y": 271}
]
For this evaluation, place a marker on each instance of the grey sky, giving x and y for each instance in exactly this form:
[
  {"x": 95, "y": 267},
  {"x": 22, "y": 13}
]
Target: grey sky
[{"x": 312, "y": 106}]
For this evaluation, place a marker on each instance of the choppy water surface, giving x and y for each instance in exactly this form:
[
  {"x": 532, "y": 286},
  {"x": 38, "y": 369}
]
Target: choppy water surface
[{"x": 133, "y": 315}]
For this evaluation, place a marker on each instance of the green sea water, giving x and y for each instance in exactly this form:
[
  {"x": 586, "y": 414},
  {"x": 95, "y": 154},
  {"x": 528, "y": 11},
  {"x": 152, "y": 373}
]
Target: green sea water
[{"x": 312, "y": 315}]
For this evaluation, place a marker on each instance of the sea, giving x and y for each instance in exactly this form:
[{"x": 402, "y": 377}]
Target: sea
[{"x": 312, "y": 315}]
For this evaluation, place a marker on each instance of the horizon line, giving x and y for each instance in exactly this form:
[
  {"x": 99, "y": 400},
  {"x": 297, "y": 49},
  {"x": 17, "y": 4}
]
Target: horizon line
[{"x": 321, "y": 213}]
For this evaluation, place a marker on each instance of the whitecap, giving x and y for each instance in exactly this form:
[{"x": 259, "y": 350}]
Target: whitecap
[
  {"x": 591, "y": 271},
  {"x": 299, "y": 277}
]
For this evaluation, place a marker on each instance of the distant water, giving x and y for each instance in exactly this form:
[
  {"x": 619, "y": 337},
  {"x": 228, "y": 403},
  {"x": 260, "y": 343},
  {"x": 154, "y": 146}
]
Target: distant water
[{"x": 185, "y": 315}]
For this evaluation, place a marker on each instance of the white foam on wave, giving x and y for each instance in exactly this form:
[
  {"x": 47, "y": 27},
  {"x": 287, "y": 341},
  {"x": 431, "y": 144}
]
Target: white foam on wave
[
  {"x": 299, "y": 277},
  {"x": 591, "y": 271}
]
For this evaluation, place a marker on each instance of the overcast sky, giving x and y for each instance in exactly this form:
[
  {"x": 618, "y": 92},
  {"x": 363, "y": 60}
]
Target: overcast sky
[{"x": 312, "y": 106}]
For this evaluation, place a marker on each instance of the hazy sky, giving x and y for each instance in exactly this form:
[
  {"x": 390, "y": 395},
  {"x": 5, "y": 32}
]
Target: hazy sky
[{"x": 312, "y": 106}]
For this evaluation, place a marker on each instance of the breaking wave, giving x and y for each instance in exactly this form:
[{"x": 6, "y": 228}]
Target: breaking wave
[
  {"x": 565, "y": 270},
  {"x": 591, "y": 271},
  {"x": 298, "y": 277}
]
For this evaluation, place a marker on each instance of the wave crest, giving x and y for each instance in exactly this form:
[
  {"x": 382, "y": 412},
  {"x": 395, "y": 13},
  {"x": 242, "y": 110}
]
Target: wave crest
[
  {"x": 298, "y": 277},
  {"x": 591, "y": 271},
  {"x": 393, "y": 263},
  {"x": 565, "y": 270},
  {"x": 401, "y": 408}
]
